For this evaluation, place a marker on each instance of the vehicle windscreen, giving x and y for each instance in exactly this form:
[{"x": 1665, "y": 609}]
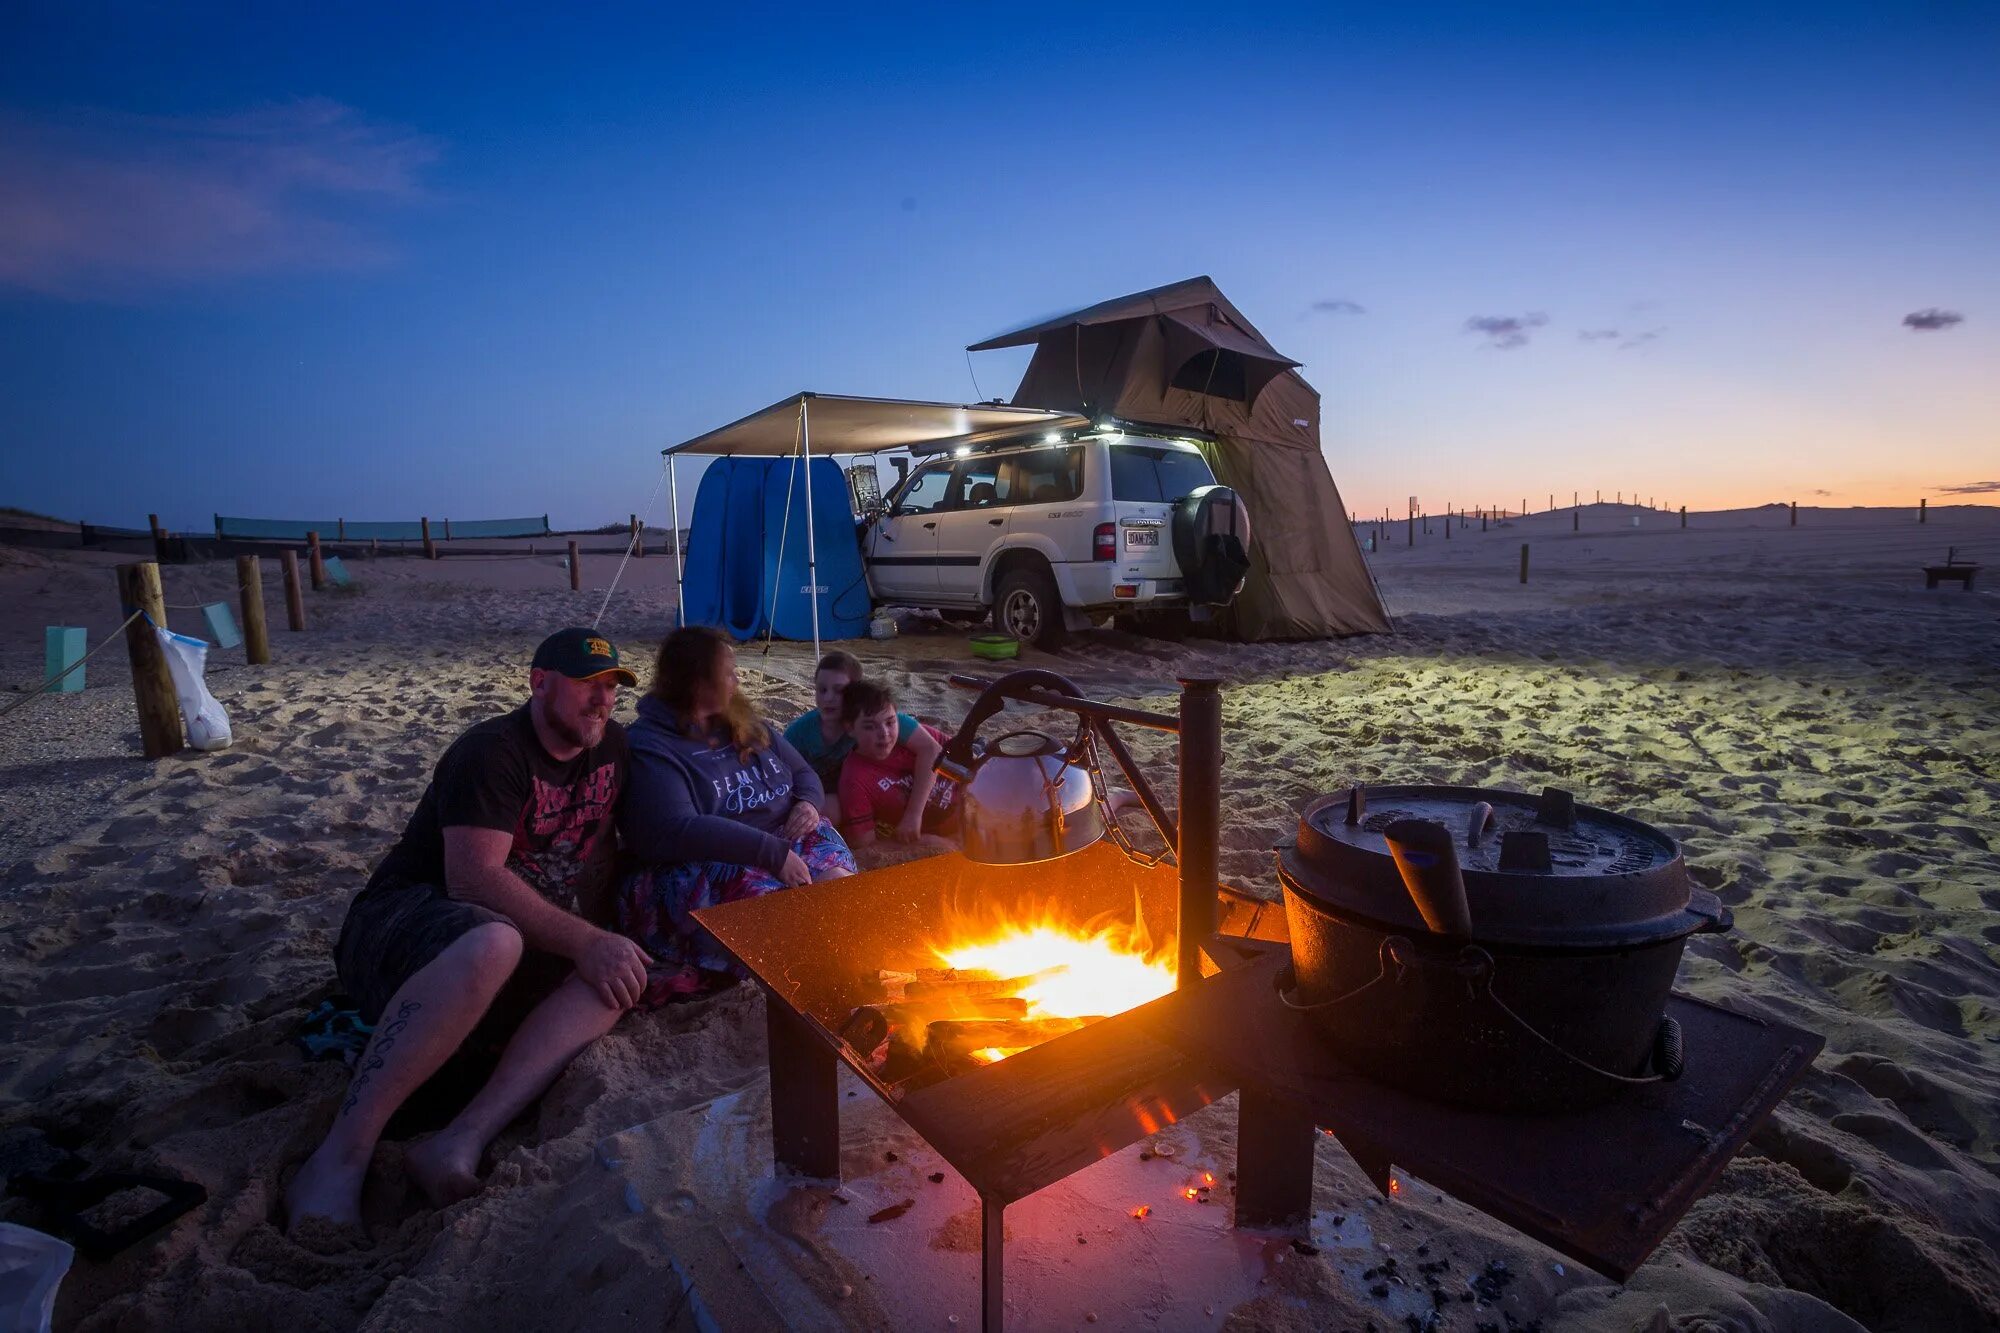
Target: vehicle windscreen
[{"x": 1156, "y": 473}]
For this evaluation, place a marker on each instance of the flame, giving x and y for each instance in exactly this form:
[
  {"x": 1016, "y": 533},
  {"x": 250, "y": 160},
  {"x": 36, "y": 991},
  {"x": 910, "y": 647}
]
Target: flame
[{"x": 1092, "y": 970}]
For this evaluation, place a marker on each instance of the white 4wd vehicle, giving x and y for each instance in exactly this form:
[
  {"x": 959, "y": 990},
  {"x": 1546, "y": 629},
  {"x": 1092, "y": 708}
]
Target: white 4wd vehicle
[{"x": 1054, "y": 537}]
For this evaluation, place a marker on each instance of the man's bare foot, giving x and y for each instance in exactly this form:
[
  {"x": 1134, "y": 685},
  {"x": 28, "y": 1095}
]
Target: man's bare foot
[
  {"x": 445, "y": 1168},
  {"x": 325, "y": 1189}
]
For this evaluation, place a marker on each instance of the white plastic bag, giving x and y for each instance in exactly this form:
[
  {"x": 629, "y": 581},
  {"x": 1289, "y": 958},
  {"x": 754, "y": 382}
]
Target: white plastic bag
[
  {"x": 207, "y": 724},
  {"x": 32, "y": 1266}
]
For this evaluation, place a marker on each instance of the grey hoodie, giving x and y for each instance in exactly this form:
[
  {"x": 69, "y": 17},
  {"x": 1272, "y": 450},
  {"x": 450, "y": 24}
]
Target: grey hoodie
[{"x": 688, "y": 800}]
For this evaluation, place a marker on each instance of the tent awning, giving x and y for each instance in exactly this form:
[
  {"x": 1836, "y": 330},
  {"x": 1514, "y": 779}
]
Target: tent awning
[{"x": 848, "y": 425}]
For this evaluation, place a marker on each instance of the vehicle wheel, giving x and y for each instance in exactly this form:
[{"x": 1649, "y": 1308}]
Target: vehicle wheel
[{"x": 1026, "y": 606}]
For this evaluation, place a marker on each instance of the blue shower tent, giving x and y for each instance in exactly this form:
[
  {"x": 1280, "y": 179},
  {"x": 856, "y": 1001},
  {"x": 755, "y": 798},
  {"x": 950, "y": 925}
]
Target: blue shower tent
[
  {"x": 760, "y": 558},
  {"x": 751, "y": 560}
]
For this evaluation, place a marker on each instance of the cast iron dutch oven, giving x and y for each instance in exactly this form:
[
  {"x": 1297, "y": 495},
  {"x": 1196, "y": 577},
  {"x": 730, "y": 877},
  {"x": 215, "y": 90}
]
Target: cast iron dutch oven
[{"x": 1490, "y": 948}]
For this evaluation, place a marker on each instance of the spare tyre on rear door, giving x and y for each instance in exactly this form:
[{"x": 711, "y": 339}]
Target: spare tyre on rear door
[{"x": 1212, "y": 544}]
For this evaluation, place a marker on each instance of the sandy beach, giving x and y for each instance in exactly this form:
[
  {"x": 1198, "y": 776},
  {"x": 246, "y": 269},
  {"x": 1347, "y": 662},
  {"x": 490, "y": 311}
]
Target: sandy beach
[{"x": 1820, "y": 732}]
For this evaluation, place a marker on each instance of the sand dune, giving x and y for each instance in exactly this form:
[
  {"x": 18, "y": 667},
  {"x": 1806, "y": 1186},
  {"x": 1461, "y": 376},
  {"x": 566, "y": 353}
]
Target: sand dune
[{"x": 1820, "y": 732}]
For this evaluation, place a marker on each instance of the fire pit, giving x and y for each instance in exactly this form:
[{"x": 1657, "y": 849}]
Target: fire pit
[{"x": 1013, "y": 1015}]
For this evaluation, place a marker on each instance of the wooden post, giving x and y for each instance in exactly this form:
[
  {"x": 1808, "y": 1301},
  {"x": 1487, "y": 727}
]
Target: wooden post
[
  {"x": 83, "y": 533},
  {"x": 318, "y": 562},
  {"x": 250, "y": 595},
  {"x": 340, "y": 529},
  {"x": 295, "y": 597},
  {"x": 1524, "y": 562},
  {"x": 1576, "y": 520},
  {"x": 447, "y": 529},
  {"x": 575, "y": 574},
  {"x": 430, "y": 547},
  {"x": 1482, "y": 520},
  {"x": 159, "y": 542},
  {"x": 1411, "y": 540},
  {"x": 152, "y": 686},
  {"x": 1684, "y": 515},
  {"x": 1922, "y": 517},
  {"x": 1795, "y": 513},
  {"x": 638, "y": 545}
]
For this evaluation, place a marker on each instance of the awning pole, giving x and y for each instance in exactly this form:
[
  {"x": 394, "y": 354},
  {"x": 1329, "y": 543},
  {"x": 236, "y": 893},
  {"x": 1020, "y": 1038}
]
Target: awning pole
[
  {"x": 812, "y": 548},
  {"x": 674, "y": 526}
]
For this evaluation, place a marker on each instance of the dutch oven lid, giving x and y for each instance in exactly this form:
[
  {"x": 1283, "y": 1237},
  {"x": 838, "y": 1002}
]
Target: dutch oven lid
[{"x": 1541, "y": 871}]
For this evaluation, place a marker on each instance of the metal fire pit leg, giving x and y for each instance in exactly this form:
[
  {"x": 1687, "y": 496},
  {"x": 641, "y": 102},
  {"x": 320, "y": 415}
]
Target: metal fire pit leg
[
  {"x": 805, "y": 1096},
  {"x": 1274, "y": 1162},
  {"x": 992, "y": 1287}
]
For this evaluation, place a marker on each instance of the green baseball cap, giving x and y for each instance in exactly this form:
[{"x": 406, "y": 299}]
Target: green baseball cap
[{"x": 581, "y": 654}]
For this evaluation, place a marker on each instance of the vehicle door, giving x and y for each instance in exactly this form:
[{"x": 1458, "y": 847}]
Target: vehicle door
[
  {"x": 971, "y": 523},
  {"x": 1046, "y": 498},
  {"x": 902, "y": 544},
  {"x": 1148, "y": 477}
]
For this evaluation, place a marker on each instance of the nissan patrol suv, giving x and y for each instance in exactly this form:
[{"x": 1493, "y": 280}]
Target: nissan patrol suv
[{"x": 1055, "y": 536}]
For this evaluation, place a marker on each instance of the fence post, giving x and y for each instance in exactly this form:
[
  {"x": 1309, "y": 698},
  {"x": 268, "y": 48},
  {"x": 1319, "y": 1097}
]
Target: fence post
[
  {"x": 318, "y": 563},
  {"x": 1684, "y": 515},
  {"x": 295, "y": 597},
  {"x": 575, "y": 575},
  {"x": 152, "y": 686},
  {"x": 1576, "y": 520},
  {"x": 340, "y": 529},
  {"x": 447, "y": 529},
  {"x": 159, "y": 542},
  {"x": 1922, "y": 517},
  {"x": 1795, "y": 513},
  {"x": 638, "y": 545},
  {"x": 1524, "y": 562},
  {"x": 430, "y": 547},
  {"x": 250, "y": 594}
]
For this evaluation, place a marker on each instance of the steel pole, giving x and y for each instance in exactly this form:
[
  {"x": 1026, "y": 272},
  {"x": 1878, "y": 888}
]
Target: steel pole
[
  {"x": 1200, "y": 822},
  {"x": 812, "y": 549},
  {"x": 674, "y": 500}
]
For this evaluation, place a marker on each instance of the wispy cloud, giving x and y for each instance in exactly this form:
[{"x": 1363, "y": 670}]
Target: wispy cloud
[
  {"x": 1506, "y": 332},
  {"x": 1971, "y": 488},
  {"x": 1619, "y": 339},
  {"x": 1822, "y": 493},
  {"x": 1336, "y": 305},
  {"x": 105, "y": 204},
  {"x": 1932, "y": 320}
]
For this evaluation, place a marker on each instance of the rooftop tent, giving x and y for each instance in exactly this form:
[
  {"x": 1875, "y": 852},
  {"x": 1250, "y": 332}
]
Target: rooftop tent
[
  {"x": 1182, "y": 357},
  {"x": 808, "y": 426}
]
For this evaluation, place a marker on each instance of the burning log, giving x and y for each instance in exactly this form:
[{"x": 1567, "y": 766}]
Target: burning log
[
  {"x": 935, "y": 984},
  {"x": 953, "y": 1042}
]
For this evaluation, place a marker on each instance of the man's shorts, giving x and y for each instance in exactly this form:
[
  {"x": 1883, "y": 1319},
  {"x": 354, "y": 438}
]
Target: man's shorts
[{"x": 395, "y": 930}]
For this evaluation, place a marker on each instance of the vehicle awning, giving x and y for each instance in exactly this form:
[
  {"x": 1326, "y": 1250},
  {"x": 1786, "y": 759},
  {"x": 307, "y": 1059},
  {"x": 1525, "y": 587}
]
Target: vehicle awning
[{"x": 847, "y": 425}]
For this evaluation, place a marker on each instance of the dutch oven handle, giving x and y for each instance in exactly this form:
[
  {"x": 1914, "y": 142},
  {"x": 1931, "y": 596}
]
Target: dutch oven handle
[
  {"x": 1715, "y": 917},
  {"x": 956, "y": 761}
]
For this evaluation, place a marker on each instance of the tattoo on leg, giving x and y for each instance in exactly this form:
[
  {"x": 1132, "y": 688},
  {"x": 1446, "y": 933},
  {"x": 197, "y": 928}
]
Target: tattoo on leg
[{"x": 385, "y": 1037}]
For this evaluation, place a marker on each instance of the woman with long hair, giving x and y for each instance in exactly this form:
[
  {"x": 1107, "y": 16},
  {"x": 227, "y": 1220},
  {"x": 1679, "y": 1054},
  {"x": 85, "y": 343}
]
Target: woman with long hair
[{"x": 719, "y": 807}]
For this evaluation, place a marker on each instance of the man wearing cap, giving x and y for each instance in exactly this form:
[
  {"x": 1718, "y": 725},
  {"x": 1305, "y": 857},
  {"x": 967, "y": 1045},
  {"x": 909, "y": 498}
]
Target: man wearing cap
[{"x": 468, "y": 938}]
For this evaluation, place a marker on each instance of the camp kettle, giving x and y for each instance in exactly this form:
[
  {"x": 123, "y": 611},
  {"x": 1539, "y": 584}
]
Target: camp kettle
[{"x": 1024, "y": 796}]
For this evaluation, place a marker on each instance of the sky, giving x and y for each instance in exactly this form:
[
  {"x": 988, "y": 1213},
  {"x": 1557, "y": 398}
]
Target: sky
[{"x": 376, "y": 262}]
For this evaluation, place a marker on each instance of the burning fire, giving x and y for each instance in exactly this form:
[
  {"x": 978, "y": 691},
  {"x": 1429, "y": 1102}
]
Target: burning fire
[{"x": 1066, "y": 971}]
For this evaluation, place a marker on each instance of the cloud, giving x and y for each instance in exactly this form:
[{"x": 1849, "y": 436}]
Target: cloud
[
  {"x": 1932, "y": 320},
  {"x": 106, "y": 204},
  {"x": 1971, "y": 488},
  {"x": 1623, "y": 341},
  {"x": 1335, "y": 305},
  {"x": 1820, "y": 492},
  {"x": 1506, "y": 331}
]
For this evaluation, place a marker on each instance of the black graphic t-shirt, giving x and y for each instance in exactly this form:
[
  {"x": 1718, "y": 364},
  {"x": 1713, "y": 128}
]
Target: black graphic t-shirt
[{"x": 498, "y": 776}]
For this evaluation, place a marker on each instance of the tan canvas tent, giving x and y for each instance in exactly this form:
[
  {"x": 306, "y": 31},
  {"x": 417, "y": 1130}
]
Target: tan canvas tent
[{"x": 1181, "y": 357}]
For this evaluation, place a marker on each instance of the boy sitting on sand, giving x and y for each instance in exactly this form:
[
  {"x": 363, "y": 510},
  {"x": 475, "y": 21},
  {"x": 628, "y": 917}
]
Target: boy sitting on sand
[
  {"x": 825, "y": 741},
  {"x": 885, "y": 783}
]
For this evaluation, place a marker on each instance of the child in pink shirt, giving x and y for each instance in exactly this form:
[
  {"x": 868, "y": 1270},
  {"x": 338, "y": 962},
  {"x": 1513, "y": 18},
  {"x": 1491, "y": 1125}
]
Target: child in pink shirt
[{"x": 882, "y": 777}]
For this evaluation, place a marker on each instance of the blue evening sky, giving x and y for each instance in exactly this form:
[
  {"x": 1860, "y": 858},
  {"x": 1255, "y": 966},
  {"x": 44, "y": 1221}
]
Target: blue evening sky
[{"x": 371, "y": 262}]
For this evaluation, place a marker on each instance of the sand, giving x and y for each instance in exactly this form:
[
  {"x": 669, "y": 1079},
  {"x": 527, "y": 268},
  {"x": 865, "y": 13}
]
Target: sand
[{"x": 1820, "y": 732}]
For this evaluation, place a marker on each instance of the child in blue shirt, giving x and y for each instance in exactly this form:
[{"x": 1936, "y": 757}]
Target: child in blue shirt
[{"x": 824, "y": 741}]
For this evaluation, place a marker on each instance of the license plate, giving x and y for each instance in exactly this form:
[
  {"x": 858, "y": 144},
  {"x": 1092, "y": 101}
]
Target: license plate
[{"x": 1142, "y": 537}]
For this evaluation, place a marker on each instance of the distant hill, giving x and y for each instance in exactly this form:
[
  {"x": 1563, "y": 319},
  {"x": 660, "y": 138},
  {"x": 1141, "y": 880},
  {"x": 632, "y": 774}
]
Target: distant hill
[{"x": 10, "y": 517}]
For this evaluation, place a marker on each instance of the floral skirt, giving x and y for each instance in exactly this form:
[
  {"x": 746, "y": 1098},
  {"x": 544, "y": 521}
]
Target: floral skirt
[{"x": 655, "y": 906}]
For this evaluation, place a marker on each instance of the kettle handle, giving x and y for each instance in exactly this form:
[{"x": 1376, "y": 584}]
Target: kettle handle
[{"x": 958, "y": 750}]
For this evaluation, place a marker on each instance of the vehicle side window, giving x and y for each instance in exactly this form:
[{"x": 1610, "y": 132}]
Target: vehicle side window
[
  {"x": 1046, "y": 476},
  {"x": 1156, "y": 474},
  {"x": 978, "y": 483},
  {"x": 925, "y": 492}
]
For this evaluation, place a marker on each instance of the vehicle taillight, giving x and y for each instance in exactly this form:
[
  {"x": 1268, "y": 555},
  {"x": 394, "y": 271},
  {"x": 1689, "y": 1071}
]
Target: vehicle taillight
[{"x": 1104, "y": 542}]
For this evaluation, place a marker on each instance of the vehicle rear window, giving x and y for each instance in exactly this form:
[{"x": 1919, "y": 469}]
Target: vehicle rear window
[
  {"x": 1155, "y": 473},
  {"x": 1046, "y": 476}
]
